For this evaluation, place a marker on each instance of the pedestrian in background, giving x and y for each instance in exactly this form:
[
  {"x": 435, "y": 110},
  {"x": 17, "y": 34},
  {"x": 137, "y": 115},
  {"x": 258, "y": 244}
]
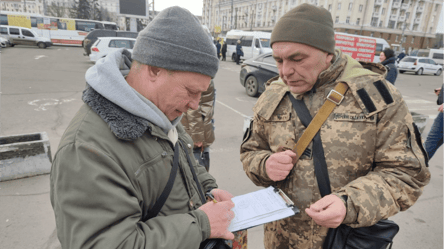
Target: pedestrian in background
[
  {"x": 388, "y": 59},
  {"x": 375, "y": 165},
  {"x": 239, "y": 51},
  {"x": 117, "y": 154},
  {"x": 435, "y": 137},
  {"x": 218, "y": 46},
  {"x": 199, "y": 124},
  {"x": 401, "y": 55},
  {"x": 224, "y": 51}
]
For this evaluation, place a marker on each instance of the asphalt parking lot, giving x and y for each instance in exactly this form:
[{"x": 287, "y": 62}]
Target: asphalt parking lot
[{"x": 41, "y": 90}]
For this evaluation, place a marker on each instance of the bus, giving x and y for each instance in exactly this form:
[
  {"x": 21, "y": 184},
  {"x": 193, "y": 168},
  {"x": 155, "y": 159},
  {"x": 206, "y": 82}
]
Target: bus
[
  {"x": 380, "y": 45},
  {"x": 253, "y": 43},
  {"x": 61, "y": 31}
]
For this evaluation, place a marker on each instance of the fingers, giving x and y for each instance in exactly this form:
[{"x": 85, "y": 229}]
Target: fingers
[
  {"x": 221, "y": 195},
  {"x": 228, "y": 235},
  {"x": 328, "y": 212}
]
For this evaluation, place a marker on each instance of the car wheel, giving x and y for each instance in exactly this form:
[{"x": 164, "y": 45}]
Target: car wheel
[
  {"x": 438, "y": 73},
  {"x": 233, "y": 57},
  {"x": 400, "y": 71},
  {"x": 419, "y": 72},
  {"x": 251, "y": 86},
  {"x": 42, "y": 45}
]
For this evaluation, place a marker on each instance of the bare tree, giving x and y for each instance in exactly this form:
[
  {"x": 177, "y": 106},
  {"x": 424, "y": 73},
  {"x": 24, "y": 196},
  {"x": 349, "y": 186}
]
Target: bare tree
[
  {"x": 95, "y": 10},
  {"x": 56, "y": 9}
]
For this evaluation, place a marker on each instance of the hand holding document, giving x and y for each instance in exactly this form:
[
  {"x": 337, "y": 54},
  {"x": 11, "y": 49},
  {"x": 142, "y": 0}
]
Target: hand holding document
[{"x": 259, "y": 207}]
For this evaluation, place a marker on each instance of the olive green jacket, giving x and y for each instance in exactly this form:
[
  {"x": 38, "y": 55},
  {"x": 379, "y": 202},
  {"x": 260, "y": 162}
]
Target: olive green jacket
[
  {"x": 372, "y": 149},
  {"x": 109, "y": 170}
]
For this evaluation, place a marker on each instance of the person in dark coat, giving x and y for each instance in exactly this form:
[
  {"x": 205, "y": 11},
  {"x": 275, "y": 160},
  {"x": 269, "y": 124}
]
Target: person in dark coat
[
  {"x": 218, "y": 49},
  {"x": 224, "y": 51},
  {"x": 239, "y": 52},
  {"x": 388, "y": 59},
  {"x": 401, "y": 56}
]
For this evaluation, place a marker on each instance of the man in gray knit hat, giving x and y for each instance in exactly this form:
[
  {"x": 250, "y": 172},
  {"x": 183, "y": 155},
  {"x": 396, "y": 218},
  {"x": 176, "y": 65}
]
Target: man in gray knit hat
[
  {"x": 124, "y": 174},
  {"x": 373, "y": 156}
]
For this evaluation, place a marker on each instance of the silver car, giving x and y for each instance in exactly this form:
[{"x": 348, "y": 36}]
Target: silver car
[{"x": 419, "y": 65}]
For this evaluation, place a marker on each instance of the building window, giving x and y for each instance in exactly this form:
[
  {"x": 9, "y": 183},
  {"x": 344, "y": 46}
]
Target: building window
[
  {"x": 389, "y": 37},
  {"x": 436, "y": 7},
  {"x": 383, "y": 11},
  {"x": 385, "y": 1},
  {"x": 356, "y": 32},
  {"x": 372, "y": 34},
  {"x": 397, "y": 38},
  {"x": 360, "y": 7},
  {"x": 374, "y": 21},
  {"x": 413, "y": 40},
  {"x": 329, "y": 7},
  {"x": 350, "y": 6},
  {"x": 431, "y": 28},
  {"x": 391, "y": 24},
  {"x": 337, "y": 19},
  {"x": 347, "y": 20},
  {"x": 407, "y": 15},
  {"x": 339, "y": 6},
  {"x": 380, "y": 24},
  {"x": 357, "y": 21}
]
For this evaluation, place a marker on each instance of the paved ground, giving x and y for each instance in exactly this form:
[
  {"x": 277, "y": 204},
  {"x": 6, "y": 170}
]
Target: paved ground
[{"x": 41, "y": 91}]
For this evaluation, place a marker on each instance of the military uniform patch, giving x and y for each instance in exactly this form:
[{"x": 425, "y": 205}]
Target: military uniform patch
[{"x": 357, "y": 117}]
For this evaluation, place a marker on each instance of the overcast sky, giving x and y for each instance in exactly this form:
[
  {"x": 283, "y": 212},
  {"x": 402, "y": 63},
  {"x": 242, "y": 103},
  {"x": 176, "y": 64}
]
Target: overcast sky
[{"x": 195, "y": 7}]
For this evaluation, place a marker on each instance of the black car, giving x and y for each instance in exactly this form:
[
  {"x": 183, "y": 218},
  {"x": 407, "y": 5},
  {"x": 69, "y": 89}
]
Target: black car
[
  {"x": 93, "y": 35},
  {"x": 256, "y": 71}
]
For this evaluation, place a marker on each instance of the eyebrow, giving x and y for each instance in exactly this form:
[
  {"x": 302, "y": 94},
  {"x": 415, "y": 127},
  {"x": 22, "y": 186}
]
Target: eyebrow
[{"x": 295, "y": 54}]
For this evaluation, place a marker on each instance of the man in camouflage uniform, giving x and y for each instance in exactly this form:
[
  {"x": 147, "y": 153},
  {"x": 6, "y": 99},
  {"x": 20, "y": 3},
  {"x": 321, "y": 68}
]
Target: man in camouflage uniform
[{"x": 373, "y": 151}]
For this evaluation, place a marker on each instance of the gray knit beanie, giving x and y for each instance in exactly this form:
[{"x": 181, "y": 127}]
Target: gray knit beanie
[
  {"x": 306, "y": 24},
  {"x": 175, "y": 40}
]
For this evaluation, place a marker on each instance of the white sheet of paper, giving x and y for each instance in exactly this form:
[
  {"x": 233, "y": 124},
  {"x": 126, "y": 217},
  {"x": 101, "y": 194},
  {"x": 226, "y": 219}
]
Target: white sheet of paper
[{"x": 257, "y": 208}]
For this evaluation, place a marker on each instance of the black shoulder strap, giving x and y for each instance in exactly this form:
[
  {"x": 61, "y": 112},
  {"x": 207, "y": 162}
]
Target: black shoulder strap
[
  {"x": 318, "y": 151},
  {"x": 201, "y": 194},
  {"x": 169, "y": 186}
]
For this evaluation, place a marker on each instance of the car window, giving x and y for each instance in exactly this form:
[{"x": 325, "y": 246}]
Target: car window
[
  {"x": 256, "y": 43},
  {"x": 408, "y": 59},
  {"x": 4, "y": 30},
  {"x": 432, "y": 62},
  {"x": 438, "y": 56},
  {"x": 27, "y": 33},
  {"x": 127, "y": 34},
  {"x": 123, "y": 44},
  {"x": 112, "y": 44},
  {"x": 14, "y": 31},
  {"x": 423, "y": 61},
  {"x": 270, "y": 60}
]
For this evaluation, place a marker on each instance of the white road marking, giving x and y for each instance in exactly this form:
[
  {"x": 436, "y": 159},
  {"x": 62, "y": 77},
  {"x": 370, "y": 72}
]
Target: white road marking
[
  {"x": 236, "y": 111},
  {"x": 43, "y": 103},
  {"x": 40, "y": 56}
]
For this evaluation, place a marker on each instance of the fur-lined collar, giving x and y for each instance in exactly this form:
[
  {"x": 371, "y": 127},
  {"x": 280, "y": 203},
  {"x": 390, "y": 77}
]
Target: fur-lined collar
[{"x": 123, "y": 124}]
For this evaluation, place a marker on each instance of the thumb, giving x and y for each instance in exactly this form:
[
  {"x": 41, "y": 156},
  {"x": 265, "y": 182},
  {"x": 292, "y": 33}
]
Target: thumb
[
  {"x": 228, "y": 235},
  {"x": 321, "y": 204}
]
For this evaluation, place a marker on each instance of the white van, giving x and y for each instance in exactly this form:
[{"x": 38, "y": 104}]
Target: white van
[
  {"x": 23, "y": 36},
  {"x": 253, "y": 43},
  {"x": 436, "y": 54}
]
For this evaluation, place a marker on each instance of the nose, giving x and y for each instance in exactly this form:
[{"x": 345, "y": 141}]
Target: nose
[
  {"x": 194, "y": 102},
  {"x": 287, "y": 70}
]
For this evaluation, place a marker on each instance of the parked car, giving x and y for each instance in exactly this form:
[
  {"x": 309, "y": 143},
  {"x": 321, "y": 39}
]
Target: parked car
[
  {"x": 4, "y": 42},
  {"x": 256, "y": 71},
  {"x": 419, "y": 65},
  {"x": 92, "y": 36},
  {"x": 23, "y": 36},
  {"x": 105, "y": 45}
]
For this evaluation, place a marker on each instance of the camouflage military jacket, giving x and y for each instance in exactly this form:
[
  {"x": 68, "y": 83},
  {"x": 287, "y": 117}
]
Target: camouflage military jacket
[{"x": 372, "y": 149}]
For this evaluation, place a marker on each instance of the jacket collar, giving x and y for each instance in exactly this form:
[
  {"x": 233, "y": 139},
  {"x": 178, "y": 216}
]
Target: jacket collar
[{"x": 123, "y": 124}]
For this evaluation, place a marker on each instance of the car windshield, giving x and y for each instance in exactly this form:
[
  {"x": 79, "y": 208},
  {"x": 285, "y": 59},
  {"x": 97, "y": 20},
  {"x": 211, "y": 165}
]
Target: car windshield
[
  {"x": 408, "y": 59},
  {"x": 423, "y": 54},
  {"x": 265, "y": 42}
]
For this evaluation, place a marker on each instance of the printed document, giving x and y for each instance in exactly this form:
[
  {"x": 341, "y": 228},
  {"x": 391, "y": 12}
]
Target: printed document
[{"x": 259, "y": 207}]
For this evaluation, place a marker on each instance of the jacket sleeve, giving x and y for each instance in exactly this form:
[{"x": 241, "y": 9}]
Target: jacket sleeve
[
  {"x": 96, "y": 205},
  {"x": 255, "y": 152},
  {"x": 195, "y": 125},
  {"x": 439, "y": 100},
  {"x": 399, "y": 175}
]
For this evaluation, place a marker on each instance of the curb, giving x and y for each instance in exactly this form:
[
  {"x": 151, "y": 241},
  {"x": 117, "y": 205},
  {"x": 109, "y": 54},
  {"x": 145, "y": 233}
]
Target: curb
[{"x": 24, "y": 155}]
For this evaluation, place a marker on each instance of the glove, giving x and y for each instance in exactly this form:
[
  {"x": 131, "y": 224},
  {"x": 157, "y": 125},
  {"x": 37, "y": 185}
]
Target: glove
[
  {"x": 220, "y": 216},
  {"x": 221, "y": 195},
  {"x": 279, "y": 165}
]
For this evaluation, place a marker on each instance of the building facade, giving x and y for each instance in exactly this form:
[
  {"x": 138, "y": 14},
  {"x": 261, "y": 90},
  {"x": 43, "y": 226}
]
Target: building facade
[
  {"x": 23, "y": 6},
  {"x": 412, "y": 21}
]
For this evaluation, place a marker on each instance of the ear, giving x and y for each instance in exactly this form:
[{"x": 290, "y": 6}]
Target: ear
[
  {"x": 153, "y": 72},
  {"x": 329, "y": 58}
]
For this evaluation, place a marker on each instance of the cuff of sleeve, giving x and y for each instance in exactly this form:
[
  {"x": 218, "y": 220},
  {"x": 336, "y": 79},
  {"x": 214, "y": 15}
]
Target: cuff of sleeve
[
  {"x": 351, "y": 214},
  {"x": 264, "y": 168},
  {"x": 204, "y": 223}
]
